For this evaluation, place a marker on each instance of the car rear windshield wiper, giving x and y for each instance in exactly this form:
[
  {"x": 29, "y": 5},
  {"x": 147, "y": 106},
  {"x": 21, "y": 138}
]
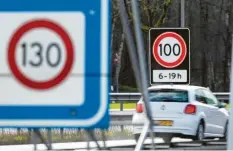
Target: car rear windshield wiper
[{"x": 167, "y": 100}]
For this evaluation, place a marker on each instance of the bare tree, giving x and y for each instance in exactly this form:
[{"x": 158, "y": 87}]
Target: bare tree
[
  {"x": 118, "y": 66},
  {"x": 210, "y": 23},
  {"x": 227, "y": 42}
]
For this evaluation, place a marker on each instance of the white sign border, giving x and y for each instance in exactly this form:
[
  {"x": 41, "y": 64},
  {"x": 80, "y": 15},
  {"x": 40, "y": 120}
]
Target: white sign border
[{"x": 104, "y": 89}]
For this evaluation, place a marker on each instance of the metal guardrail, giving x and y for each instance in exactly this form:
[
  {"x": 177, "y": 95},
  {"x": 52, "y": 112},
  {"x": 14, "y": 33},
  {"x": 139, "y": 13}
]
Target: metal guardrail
[
  {"x": 136, "y": 96},
  {"x": 121, "y": 117}
]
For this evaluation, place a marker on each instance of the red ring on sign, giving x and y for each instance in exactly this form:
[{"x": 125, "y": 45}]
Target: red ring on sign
[
  {"x": 183, "y": 50},
  {"x": 12, "y": 54}
]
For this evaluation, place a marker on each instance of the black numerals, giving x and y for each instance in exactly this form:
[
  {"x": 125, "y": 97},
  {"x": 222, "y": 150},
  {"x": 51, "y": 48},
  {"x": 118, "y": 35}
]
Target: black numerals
[
  {"x": 48, "y": 55},
  {"x": 168, "y": 50},
  {"x": 40, "y": 54}
]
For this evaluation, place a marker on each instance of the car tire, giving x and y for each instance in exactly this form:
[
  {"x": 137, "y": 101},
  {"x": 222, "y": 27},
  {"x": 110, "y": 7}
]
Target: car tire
[
  {"x": 167, "y": 139},
  {"x": 200, "y": 132},
  {"x": 225, "y": 132},
  {"x": 136, "y": 137}
]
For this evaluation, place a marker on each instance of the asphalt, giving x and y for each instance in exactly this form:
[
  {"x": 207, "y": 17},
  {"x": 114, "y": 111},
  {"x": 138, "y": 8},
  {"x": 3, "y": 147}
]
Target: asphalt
[
  {"x": 215, "y": 145},
  {"x": 212, "y": 147},
  {"x": 177, "y": 144}
]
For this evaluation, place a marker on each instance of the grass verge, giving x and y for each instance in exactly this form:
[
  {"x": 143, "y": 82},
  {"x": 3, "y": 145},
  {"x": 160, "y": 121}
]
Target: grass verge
[{"x": 14, "y": 137}]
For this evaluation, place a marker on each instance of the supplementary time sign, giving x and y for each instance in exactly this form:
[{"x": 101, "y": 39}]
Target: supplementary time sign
[
  {"x": 169, "y": 55},
  {"x": 54, "y": 63}
]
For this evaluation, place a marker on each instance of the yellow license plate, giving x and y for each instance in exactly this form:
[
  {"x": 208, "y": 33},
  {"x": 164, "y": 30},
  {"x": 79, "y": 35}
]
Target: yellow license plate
[{"x": 163, "y": 123}]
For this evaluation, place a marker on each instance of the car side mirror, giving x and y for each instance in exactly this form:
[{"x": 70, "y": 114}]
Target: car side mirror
[{"x": 222, "y": 105}]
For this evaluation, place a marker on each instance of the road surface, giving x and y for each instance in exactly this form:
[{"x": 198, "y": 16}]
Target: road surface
[{"x": 121, "y": 145}]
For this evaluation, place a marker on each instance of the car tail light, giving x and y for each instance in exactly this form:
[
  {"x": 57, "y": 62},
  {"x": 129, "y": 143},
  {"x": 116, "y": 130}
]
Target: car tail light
[
  {"x": 139, "y": 108},
  {"x": 190, "y": 109}
]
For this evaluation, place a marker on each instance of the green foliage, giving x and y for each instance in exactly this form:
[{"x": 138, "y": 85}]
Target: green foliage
[
  {"x": 161, "y": 19},
  {"x": 128, "y": 89},
  {"x": 126, "y": 105}
]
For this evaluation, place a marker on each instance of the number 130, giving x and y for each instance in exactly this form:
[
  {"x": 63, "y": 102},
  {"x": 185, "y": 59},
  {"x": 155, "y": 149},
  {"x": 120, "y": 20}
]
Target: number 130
[{"x": 39, "y": 54}]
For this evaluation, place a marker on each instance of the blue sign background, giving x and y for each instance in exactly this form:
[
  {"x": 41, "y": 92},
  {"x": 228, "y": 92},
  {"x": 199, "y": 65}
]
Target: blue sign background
[{"x": 92, "y": 64}]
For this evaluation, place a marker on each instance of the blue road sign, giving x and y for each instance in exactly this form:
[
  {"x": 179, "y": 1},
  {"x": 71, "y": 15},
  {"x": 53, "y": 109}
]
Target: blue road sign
[{"x": 54, "y": 63}]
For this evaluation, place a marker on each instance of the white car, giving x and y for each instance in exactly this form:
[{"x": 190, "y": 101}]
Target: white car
[{"x": 184, "y": 111}]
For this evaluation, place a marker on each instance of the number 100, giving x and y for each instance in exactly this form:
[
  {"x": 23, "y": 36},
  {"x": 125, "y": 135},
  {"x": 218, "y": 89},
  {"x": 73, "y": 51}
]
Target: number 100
[{"x": 167, "y": 49}]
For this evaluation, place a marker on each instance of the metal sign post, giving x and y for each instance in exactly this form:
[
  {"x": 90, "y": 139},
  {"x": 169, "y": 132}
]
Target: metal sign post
[
  {"x": 137, "y": 63},
  {"x": 230, "y": 125},
  {"x": 182, "y": 13},
  {"x": 143, "y": 73}
]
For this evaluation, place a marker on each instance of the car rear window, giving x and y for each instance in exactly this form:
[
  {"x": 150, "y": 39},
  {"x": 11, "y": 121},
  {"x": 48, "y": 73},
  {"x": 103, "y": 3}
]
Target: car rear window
[{"x": 168, "y": 95}]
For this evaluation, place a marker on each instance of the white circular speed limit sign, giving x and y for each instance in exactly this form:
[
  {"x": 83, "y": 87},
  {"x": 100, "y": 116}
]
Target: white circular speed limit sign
[
  {"x": 169, "y": 49},
  {"x": 40, "y": 54}
]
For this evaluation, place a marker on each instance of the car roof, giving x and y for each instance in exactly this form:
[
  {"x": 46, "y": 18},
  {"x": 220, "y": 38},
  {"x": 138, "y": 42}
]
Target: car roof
[{"x": 183, "y": 87}]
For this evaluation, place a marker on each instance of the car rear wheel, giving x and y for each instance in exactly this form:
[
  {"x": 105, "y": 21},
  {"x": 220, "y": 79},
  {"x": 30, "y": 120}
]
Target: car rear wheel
[
  {"x": 200, "y": 132},
  {"x": 167, "y": 138},
  {"x": 225, "y": 132},
  {"x": 136, "y": 137}
]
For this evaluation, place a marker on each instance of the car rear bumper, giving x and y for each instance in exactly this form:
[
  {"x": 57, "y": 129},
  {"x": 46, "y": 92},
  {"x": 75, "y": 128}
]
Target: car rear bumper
[
  {"x": 185, "y": 125},
  {"x": 167, "y": 130}
]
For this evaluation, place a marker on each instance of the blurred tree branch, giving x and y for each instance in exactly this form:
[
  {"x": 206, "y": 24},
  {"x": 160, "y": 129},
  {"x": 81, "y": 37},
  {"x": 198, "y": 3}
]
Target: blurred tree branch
[{"x": 148, "y": 7}]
